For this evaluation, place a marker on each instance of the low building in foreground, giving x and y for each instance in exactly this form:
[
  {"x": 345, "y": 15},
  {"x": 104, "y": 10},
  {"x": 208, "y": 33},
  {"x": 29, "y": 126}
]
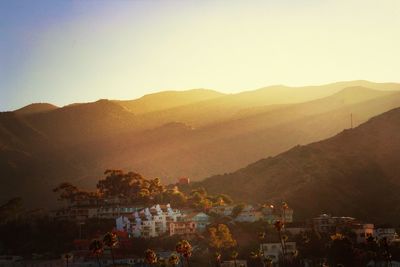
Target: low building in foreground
[
  {"x": 237, "y": 263},
  {"x": 274, "y": 251}
]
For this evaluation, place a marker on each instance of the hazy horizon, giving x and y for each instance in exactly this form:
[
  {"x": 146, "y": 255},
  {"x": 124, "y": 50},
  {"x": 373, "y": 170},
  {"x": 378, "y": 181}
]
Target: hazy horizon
[{"x": 79, "y": 51}]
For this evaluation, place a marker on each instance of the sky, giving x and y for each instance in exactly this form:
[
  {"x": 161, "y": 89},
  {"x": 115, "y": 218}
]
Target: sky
[{"x": 68, "y": 51}]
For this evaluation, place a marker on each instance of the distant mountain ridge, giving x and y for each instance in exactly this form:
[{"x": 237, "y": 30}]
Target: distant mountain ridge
[
  {"x": 197, "y": 133},
  {"x": 35, "y": 108}
]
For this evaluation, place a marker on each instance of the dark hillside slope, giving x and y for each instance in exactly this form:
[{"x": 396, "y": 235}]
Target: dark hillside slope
[{"x": 355, "y": 173}]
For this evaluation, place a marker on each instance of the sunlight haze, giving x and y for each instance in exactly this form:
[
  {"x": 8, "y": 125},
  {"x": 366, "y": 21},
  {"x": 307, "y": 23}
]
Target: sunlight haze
[{"x": 77, "y": 51}]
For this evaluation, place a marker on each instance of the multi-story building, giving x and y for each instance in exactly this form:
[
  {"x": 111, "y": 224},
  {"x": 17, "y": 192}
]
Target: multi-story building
[
  {"x": 201, "y": 219},
  {"x": 327, "y": 224},
  {"x": 271, "y": 214},
  {"x": 274, "y": 251},
  {"x": 81, "y": 210},
  {"x": 386, "y": 232},
  {"x": 77, "y": 214},
  {"x": 223, "y": 210},
  {"x": 362, "y": 231},
  {"x": 182, "y": 228},
  {"x": 149, "y": 222},
  {"x": 231, "y": 263},
  {"x": 249, "y": 214}
]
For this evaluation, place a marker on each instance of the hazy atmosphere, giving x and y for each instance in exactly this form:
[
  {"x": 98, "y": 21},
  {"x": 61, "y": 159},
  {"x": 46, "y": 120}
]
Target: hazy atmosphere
[
  {"x": 78, "y": 51},
  {"x": 163, "y": 133}
]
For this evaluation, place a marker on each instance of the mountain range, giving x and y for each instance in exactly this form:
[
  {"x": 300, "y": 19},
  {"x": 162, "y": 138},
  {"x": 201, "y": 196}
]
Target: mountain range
[{"x": 196, "y": 133}]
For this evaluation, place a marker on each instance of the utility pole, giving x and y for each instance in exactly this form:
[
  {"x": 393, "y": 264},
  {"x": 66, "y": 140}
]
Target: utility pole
[{"x": 351, "y": 120}]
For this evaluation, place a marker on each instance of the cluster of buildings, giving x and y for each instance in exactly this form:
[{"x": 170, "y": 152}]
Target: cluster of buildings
[
  {"x": 251, "y": 213},
  {"x": 273, "y": 251},
  {"x": 327, "y": 224},
  {"x": 81, "y": 210},
  {"x": 162, "y": 220}
]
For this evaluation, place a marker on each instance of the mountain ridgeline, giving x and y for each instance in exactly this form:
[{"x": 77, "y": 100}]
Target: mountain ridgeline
[{"x": 196, "y": 133}]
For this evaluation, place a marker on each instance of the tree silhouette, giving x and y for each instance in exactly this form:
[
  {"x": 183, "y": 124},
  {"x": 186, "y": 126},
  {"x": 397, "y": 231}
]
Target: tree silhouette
[
  {"x": 150, "y": 257},
  {"x": 221, "y": 237},
  {"x": 234, "y": 256},
  {"x": 279, "y": 226},
  {"x": 173, "y": 260},
  {"x": 97, "y": 248},
  {"x": 184, "y": 248},
  {"x": 110, "y": 240}
]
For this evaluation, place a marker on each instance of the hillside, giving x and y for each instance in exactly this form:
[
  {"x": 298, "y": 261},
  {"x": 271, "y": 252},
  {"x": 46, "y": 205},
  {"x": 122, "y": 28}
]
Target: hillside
[
  {"x": 354, "y": 173},
  {"x": 218, "y": 134},
  {"x": 168, "y": 99},
  {"x": 35, "y": 108}
]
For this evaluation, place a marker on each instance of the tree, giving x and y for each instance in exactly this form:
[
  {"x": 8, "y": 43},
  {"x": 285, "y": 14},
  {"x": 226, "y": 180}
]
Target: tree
[
  {"x": 131, "y": 185},
  {"x": 173, "y": 260},
  {"x": 225, "y": 198},
  {"x": 96, "y": 247},
  {"x": 174, "y": 197},
  {"x": 150, "y": 257},
  {"x": 221, "y": 238},
  {"x": 234, "y": 256},
  {"x": 340, "y": 250},
  {"x": 217, "y": 256},
  {"x": 116, "y": 183},
  {"x": 11, "y": 209},
  {"x": 67, "y": 257},
  {"x": 67, "y": 191},
  {"x": 110, "y": 240},
  {"x": 257, "y": 257},
  {"x": 184, "y": 248},
  {"x": 278, "y": 226},
  {"x": 238, "y": 209}
]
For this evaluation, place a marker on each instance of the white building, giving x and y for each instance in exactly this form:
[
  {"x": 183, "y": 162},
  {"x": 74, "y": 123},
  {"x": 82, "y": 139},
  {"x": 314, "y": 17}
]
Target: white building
[
  {"x": 149, "y": 222},
  {"x": 231, "y": 263},
  {"x": 363, "y": 231},
  {"x": 249, "y": 214},
  {"x": 271, "y": 214},
  {"x": 274, "y": 250},
  {"x": 327, "y": 224},
  {"x": 388, "y": 233},
  {"x": 223, "y": 210},
  {"x": 201, "y": 219}
]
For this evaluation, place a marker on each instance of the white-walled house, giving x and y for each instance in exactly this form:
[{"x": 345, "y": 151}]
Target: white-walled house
[
  {"x": 231, "y": 263},
  {"x": 201, "y": 219},
  {"x": 389, "y": 233},
  {"x": 182, "y": 228},
  {"x": 223, "y": 210},
  {"x": 363, "y": 231},
  {"x": 249, "y": 214},
  {"x": 274, "y": 250},
  {"x": 149, "y": 222}
]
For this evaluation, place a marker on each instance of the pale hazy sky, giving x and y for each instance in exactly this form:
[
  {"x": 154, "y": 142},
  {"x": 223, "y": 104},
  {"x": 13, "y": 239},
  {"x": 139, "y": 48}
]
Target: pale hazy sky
[{"x": 64, "y": 51}]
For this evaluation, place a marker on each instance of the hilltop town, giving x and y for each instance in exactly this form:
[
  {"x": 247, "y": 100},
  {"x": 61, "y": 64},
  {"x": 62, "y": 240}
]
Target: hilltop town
[{"x": 145, "y": 223}]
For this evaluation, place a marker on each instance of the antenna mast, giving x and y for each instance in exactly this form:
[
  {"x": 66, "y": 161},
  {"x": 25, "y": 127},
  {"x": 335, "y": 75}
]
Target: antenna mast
[{"x": 351, "y": 120}]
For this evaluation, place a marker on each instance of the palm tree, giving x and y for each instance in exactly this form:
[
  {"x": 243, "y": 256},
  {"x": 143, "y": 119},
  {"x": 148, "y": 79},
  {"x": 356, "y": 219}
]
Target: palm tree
[
  {"x": 278, "y": 226},
  {"x": 67, "y": 257},
  {"x": 218, "y": 259},
  {"x": 267, "y": 262},
  {"x": 151, "y": 257},
  {"x": 96, "y": 246},
  {"x": 388, "y": 257},
  {"x": 234, "y": 256},
  {"x": 185, "y": 250},
  {"x": 173, "y": 260},
  {"x": 258, "y": 256},
  {"x": 110, "y": 240}
]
